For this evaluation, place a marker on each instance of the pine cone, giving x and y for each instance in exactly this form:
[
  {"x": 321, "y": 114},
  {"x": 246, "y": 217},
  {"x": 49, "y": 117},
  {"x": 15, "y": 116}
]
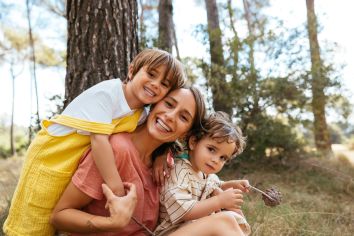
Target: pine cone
[{"x": 274, "y": 194}]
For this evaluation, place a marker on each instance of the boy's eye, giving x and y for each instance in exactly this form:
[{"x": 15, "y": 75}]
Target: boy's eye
[
  {"x": 165, "y": 84},
  {"x": 223, "y": 158},
  {"x": 212, "y": 150}
]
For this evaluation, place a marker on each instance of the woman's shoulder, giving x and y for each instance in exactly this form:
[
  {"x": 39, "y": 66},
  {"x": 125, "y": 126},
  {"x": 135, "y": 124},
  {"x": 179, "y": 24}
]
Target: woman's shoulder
[{"x": 121, "y": 141}]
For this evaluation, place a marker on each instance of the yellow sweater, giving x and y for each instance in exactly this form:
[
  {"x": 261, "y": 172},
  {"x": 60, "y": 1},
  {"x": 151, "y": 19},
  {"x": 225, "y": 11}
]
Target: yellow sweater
[{"x": 49, "y": 165}]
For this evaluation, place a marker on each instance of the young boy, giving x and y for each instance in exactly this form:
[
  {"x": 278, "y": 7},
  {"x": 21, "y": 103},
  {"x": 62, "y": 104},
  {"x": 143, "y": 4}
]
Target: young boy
[
  {"x": 106, "y": 108},
  {"x": 194, "y": 191}
]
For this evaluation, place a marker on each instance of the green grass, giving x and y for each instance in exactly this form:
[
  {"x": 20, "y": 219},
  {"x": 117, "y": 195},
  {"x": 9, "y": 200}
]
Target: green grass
[{"x": 318, "y": 198}]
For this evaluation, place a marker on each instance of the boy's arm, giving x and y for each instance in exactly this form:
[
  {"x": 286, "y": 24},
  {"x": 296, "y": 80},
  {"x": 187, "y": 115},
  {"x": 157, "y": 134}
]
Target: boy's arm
[
  {"x": 102, "y": 154},
  {"x": 236, "y": 184}
]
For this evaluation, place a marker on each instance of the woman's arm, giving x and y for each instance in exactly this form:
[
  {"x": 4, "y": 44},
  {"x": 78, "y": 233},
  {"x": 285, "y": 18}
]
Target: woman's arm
[{"x": 67, "y": 217}]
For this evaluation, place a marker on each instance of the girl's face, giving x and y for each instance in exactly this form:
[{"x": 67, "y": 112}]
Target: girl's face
[
  {"x": 208, "y": 155},
  {"x": 172, "y": 117}
]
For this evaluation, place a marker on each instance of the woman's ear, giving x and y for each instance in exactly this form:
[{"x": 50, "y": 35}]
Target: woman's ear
[{"x": 192, "y": 142}]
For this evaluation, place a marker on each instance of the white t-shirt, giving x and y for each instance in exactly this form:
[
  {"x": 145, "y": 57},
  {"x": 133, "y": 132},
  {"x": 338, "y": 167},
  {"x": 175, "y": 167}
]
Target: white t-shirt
[{"x": 101, "y": 103}]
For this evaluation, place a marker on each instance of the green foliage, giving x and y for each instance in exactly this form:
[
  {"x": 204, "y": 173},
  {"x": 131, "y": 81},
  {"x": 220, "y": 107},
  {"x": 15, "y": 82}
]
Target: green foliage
[{"x": 271, "y": 137}]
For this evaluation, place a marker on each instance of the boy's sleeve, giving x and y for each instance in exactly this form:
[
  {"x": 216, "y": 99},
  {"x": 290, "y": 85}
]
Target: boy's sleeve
[
  {"x": 176, "y": 194},
  {"x": 95, "y": 105}
]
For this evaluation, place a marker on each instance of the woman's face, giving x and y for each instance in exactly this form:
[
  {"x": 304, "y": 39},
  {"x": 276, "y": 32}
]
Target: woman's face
[{"x": 172, "y": 117}]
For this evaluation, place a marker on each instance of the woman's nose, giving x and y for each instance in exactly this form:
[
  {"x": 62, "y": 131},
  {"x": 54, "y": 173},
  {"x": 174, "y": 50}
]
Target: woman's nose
[{"x": 170, "y": 115}]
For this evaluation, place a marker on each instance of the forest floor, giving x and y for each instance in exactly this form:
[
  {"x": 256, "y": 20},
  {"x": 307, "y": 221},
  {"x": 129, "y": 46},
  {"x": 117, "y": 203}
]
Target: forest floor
[{"x": 318, "y": 195}]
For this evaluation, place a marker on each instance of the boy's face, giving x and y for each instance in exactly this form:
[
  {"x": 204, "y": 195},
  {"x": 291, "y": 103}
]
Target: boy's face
[
  {"x": 149, "y": 86},
  {"x": 208, "y": 155}
]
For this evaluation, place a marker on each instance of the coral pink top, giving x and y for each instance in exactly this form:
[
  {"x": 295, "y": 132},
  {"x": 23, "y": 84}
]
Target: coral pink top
[{"x": 131, "y": 169}]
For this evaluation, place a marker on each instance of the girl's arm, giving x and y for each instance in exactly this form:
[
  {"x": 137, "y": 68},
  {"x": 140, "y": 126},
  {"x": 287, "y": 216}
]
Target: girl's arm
[
  {"x": 236, "y": 184},
  {"x": 102, "y": 154},
  {"x": 231, "y": 198},
  {"x": 67, "y": 217}
]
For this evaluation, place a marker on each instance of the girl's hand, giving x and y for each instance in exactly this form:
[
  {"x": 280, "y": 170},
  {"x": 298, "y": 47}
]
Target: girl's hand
[
  {"x": 121, "y": 208},
  {"x": 230, "y": 199},
  {"x": 161, "y": 168}
]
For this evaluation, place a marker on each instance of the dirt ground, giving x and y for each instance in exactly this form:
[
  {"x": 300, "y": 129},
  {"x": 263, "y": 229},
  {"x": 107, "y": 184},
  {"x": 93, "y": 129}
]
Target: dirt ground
[{"x": 9, "y": 174}]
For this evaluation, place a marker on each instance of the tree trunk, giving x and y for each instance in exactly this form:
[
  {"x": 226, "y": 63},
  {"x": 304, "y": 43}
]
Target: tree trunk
[
  {"x": 12, "y": 141},
  {"x": 234, "y": 44},
  {"x": 217, "y": 82},
  {"x": 102, "y": 40},
  {"x": 33, "y": 69},
  {"x": 322, "y": 138},
  {"x": 165, "y": 41},
  {"x": 252, "y": 73}
]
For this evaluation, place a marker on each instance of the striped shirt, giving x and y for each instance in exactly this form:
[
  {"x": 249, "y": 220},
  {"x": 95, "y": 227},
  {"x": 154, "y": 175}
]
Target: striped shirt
[{"x": 180, "y": 192}]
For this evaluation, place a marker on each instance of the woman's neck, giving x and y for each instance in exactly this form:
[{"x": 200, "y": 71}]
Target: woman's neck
[{"x": 145, "y": 144}]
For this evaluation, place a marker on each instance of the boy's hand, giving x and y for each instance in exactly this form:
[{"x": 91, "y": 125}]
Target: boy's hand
[
  {"x": 161, "y": 168},
  {"x": 242, "y": 185},
  {"x": 230, "y": 199},
  {"x": 121, "y": 208}
]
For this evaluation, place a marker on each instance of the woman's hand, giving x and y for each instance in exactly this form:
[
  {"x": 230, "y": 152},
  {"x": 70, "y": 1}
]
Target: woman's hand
[
  {"x": 121, "y": 208},
  {"x": 161, "y": 168}
]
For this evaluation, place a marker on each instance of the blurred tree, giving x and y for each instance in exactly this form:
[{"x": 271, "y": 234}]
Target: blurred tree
[
  {"x": 55, "y": 6},
  {"x": 263, "y": 101},
  {"x": 148, "y": 19},
  {"x": 165, "y": 41},
  {"x": 14, "y": 45},
  {"x": 216, "y": 79},
  {"x": 319, "y": 83},
  {"x": 102, "y": 40},
  {"x": 33, "y": 70}
]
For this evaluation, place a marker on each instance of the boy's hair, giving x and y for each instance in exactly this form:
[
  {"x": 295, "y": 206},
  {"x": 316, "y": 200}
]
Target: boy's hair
[
  {"x": 218, "y": 126},
  {"x": 200, "y": 113},
  {"x": 153, "y": 58}
]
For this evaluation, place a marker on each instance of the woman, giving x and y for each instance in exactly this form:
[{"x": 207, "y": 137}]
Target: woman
[{"x": 170, "y": 119}]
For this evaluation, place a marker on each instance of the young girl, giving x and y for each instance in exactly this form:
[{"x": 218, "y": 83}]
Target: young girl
[
  {"x": 194, "y": 191},
  {"x": 106, "y": 108}
]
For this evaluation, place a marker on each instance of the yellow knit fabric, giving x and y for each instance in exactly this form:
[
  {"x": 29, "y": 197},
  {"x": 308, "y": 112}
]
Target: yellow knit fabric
[{"x": 49, "y": 165}]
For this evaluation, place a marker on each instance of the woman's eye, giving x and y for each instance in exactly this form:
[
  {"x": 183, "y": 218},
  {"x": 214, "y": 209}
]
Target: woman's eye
[
  {"x": 223, "y": 159},
  {"x": 166, "y": 85},
  {"x": 184, "y": 118}
]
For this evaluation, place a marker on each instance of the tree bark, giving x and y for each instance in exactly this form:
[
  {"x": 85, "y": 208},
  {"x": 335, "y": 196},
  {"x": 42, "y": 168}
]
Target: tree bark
[
  {"x": 217, "y": 82},
  {"x": 33, "y": 69},
  {"x": 102, "y": 40},
  {"x": 322, "y": 138},
  {"x": 252, "y": 73},
  {"x": 165, "y": 41},
  {"x": 12, "y": 141}
]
